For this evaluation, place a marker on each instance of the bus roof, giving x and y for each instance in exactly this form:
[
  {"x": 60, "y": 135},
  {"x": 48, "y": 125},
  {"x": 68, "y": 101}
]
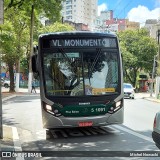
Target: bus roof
[{"x": 78, "y": 33}]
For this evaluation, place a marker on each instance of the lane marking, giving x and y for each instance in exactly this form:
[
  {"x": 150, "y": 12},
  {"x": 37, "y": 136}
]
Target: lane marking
[
  {"x": 134, "y": 133},
  {"x": 16, "y": 141}
]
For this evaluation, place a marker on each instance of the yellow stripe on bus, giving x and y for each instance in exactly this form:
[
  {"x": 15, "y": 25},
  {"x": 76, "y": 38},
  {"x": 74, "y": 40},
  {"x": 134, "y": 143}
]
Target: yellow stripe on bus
[{"x": 96, "y": 90}]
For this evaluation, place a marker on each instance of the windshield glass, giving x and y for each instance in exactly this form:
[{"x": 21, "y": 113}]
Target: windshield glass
[
  {"x": 80, "y": 73},
  {"x": 127, "y": 86}
]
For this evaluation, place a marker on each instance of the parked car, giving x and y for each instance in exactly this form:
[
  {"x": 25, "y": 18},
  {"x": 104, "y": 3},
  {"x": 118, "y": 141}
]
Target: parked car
[
  {"x": 128, "y": 90},
  {"x": 156, "y": 130},
  {"x": 6, "y": 83},
  {"x": 2, "y": 81}
]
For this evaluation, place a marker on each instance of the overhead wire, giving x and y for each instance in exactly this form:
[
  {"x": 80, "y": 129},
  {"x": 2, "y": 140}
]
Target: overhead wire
[{"x": 123, "y": 10}]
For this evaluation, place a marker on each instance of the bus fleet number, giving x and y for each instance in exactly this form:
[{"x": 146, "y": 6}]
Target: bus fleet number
[{"x": 98, "y": 109}]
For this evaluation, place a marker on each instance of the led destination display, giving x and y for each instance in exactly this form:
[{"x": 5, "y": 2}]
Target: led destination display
[{"x": 103, "y": 42}]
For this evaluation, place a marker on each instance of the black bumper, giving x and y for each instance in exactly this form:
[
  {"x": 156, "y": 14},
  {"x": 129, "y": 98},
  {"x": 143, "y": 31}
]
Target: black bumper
[{"x": 156, "y": 138}]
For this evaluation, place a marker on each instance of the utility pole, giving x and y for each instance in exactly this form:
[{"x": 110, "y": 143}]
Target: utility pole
[
  {"x": 153, "y": 73},
  {"x": 158, "y": 36},
  {"x": 62, "y": 19},
  {"x": 31, "y": 49},
  {"x": 155, "y": 63},
  {"x": 1, "y": 22},
  {"x": 157, "y": 88}
]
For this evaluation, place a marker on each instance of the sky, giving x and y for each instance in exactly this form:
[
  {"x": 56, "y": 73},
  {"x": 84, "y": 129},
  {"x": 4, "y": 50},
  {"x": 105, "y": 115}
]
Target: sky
[{"x": 134, "y": 10}]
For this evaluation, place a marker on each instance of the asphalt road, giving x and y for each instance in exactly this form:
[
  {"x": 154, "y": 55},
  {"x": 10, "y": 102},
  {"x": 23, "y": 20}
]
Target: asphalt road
[{"x": 23, "y": 113}]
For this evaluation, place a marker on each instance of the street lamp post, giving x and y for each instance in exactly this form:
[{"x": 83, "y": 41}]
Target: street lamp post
[
  {"x": 157, "y": 88},
  {"x": 1, "y": 124},
  {"x": 1, "y": 22},
  {"x": 158, "y": 37},
  {"x": 153, "y": 72}
]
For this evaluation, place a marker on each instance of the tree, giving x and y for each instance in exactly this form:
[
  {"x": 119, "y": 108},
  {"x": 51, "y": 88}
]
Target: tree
[
  {"x": 8, "y": 50},
  {"x": 14, "y": 27},
  {"x": 138, "y": 50},
  {"x": 56, "y": 27},
  {"x": 49, "y": 9},
  {"x": 31, "y": 9}
]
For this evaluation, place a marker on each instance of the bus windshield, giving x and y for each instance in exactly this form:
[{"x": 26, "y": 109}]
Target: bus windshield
[{"x": 80, "y": 73}]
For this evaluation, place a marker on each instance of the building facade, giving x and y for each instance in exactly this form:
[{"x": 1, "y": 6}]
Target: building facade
[
  {"x": 116, "y": 25},
  {"x": 80, "y": 11},
  {"x": 130, "y": 25},
  {"x": 153, "y": 25},
  {"x": 100, "y": 22}
]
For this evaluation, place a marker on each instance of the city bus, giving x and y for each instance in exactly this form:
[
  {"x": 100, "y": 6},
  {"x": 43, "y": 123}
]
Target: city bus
[{"x": 81, "y": 79}]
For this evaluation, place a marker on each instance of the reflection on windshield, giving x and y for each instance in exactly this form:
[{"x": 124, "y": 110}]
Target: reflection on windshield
[{"x": 80, "y": 73}]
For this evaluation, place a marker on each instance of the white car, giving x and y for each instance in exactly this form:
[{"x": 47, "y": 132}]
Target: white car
[
  {"x": 156, "y": 130},
  {"x": 6, "y": 83},
  {"x": 128, "y": 90}
]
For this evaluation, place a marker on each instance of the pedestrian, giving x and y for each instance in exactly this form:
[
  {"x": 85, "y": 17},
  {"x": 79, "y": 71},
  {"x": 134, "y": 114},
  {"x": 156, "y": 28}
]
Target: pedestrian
[{"x": 33, "y": 87}]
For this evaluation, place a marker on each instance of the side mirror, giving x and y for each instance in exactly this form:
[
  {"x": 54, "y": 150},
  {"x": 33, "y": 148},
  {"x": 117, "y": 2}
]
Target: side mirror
[
  {"x": 34, "y": 63},
  {"x": 34, "y": 66}
]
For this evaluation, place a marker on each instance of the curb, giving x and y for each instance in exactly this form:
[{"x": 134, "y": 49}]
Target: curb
[
  {"x": 152, "y": 99},
  {"x": 18, "y": 94},
  {"x": 7, "y": 143},
  {"x": 7, "y": 98}
]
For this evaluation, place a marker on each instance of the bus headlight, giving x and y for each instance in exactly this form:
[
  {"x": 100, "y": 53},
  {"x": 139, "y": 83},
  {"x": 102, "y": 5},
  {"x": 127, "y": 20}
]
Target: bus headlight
[
  {"x": 118, "y": 104},
  {"x": 52, "y": 110},
  {"x": 48, "y": 107}
]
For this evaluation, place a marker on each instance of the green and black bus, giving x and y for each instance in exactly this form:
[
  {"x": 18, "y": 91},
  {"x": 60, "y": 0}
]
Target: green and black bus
[{"x": 81, "y": 79}]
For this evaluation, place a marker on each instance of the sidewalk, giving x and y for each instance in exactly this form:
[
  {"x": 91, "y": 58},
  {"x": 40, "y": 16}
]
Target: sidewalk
[
  {"x": 7, "y": 143},
  {"x": 146, "y": 95},
  {"x": 22, "y": 91}
]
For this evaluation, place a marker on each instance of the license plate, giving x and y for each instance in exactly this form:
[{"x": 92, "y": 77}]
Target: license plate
[{"x": 85, "y": 124}]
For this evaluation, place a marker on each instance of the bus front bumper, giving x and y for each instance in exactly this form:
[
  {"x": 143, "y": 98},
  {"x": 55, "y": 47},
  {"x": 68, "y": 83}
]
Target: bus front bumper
[{"x": 50, "y": 121}]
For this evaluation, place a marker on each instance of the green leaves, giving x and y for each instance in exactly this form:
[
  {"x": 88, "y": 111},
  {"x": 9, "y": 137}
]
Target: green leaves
[
  {"x": 138, "y": 50},
  {"x": 15, "y": 33},
  {"x": 56, "y": 27}
]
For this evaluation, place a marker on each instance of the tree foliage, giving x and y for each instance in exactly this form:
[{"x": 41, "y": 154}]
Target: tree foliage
[
  {"x": 15, "y": 36},
  {"x": 56, "y": 27},
  {"x": 138, "y": 50},
  {"x": 50, "y": 8}
]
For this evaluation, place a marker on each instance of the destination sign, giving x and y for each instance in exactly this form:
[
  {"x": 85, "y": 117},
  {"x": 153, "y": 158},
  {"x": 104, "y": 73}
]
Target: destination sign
[{"x": 103, "y": 42}]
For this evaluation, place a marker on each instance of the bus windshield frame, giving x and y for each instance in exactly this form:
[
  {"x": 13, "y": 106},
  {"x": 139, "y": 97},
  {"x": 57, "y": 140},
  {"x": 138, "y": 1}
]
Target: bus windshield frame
[{"x": 68, "y": 54}]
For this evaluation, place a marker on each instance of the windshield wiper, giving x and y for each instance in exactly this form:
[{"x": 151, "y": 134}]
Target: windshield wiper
[{"x": 94, "y": 62}]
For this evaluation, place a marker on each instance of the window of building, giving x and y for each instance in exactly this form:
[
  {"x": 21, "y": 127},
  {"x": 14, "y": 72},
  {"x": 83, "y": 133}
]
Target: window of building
[
  {"x": 69, "y": 7},
  {"x": 68, "y": 12},
  {"x": 68, "y": 1},
  {"x": 68, "y": 17}
]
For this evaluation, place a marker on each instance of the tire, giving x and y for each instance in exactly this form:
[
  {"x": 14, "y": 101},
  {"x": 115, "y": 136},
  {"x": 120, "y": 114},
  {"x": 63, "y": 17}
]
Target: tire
[{"x": 6, "y": 85}]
